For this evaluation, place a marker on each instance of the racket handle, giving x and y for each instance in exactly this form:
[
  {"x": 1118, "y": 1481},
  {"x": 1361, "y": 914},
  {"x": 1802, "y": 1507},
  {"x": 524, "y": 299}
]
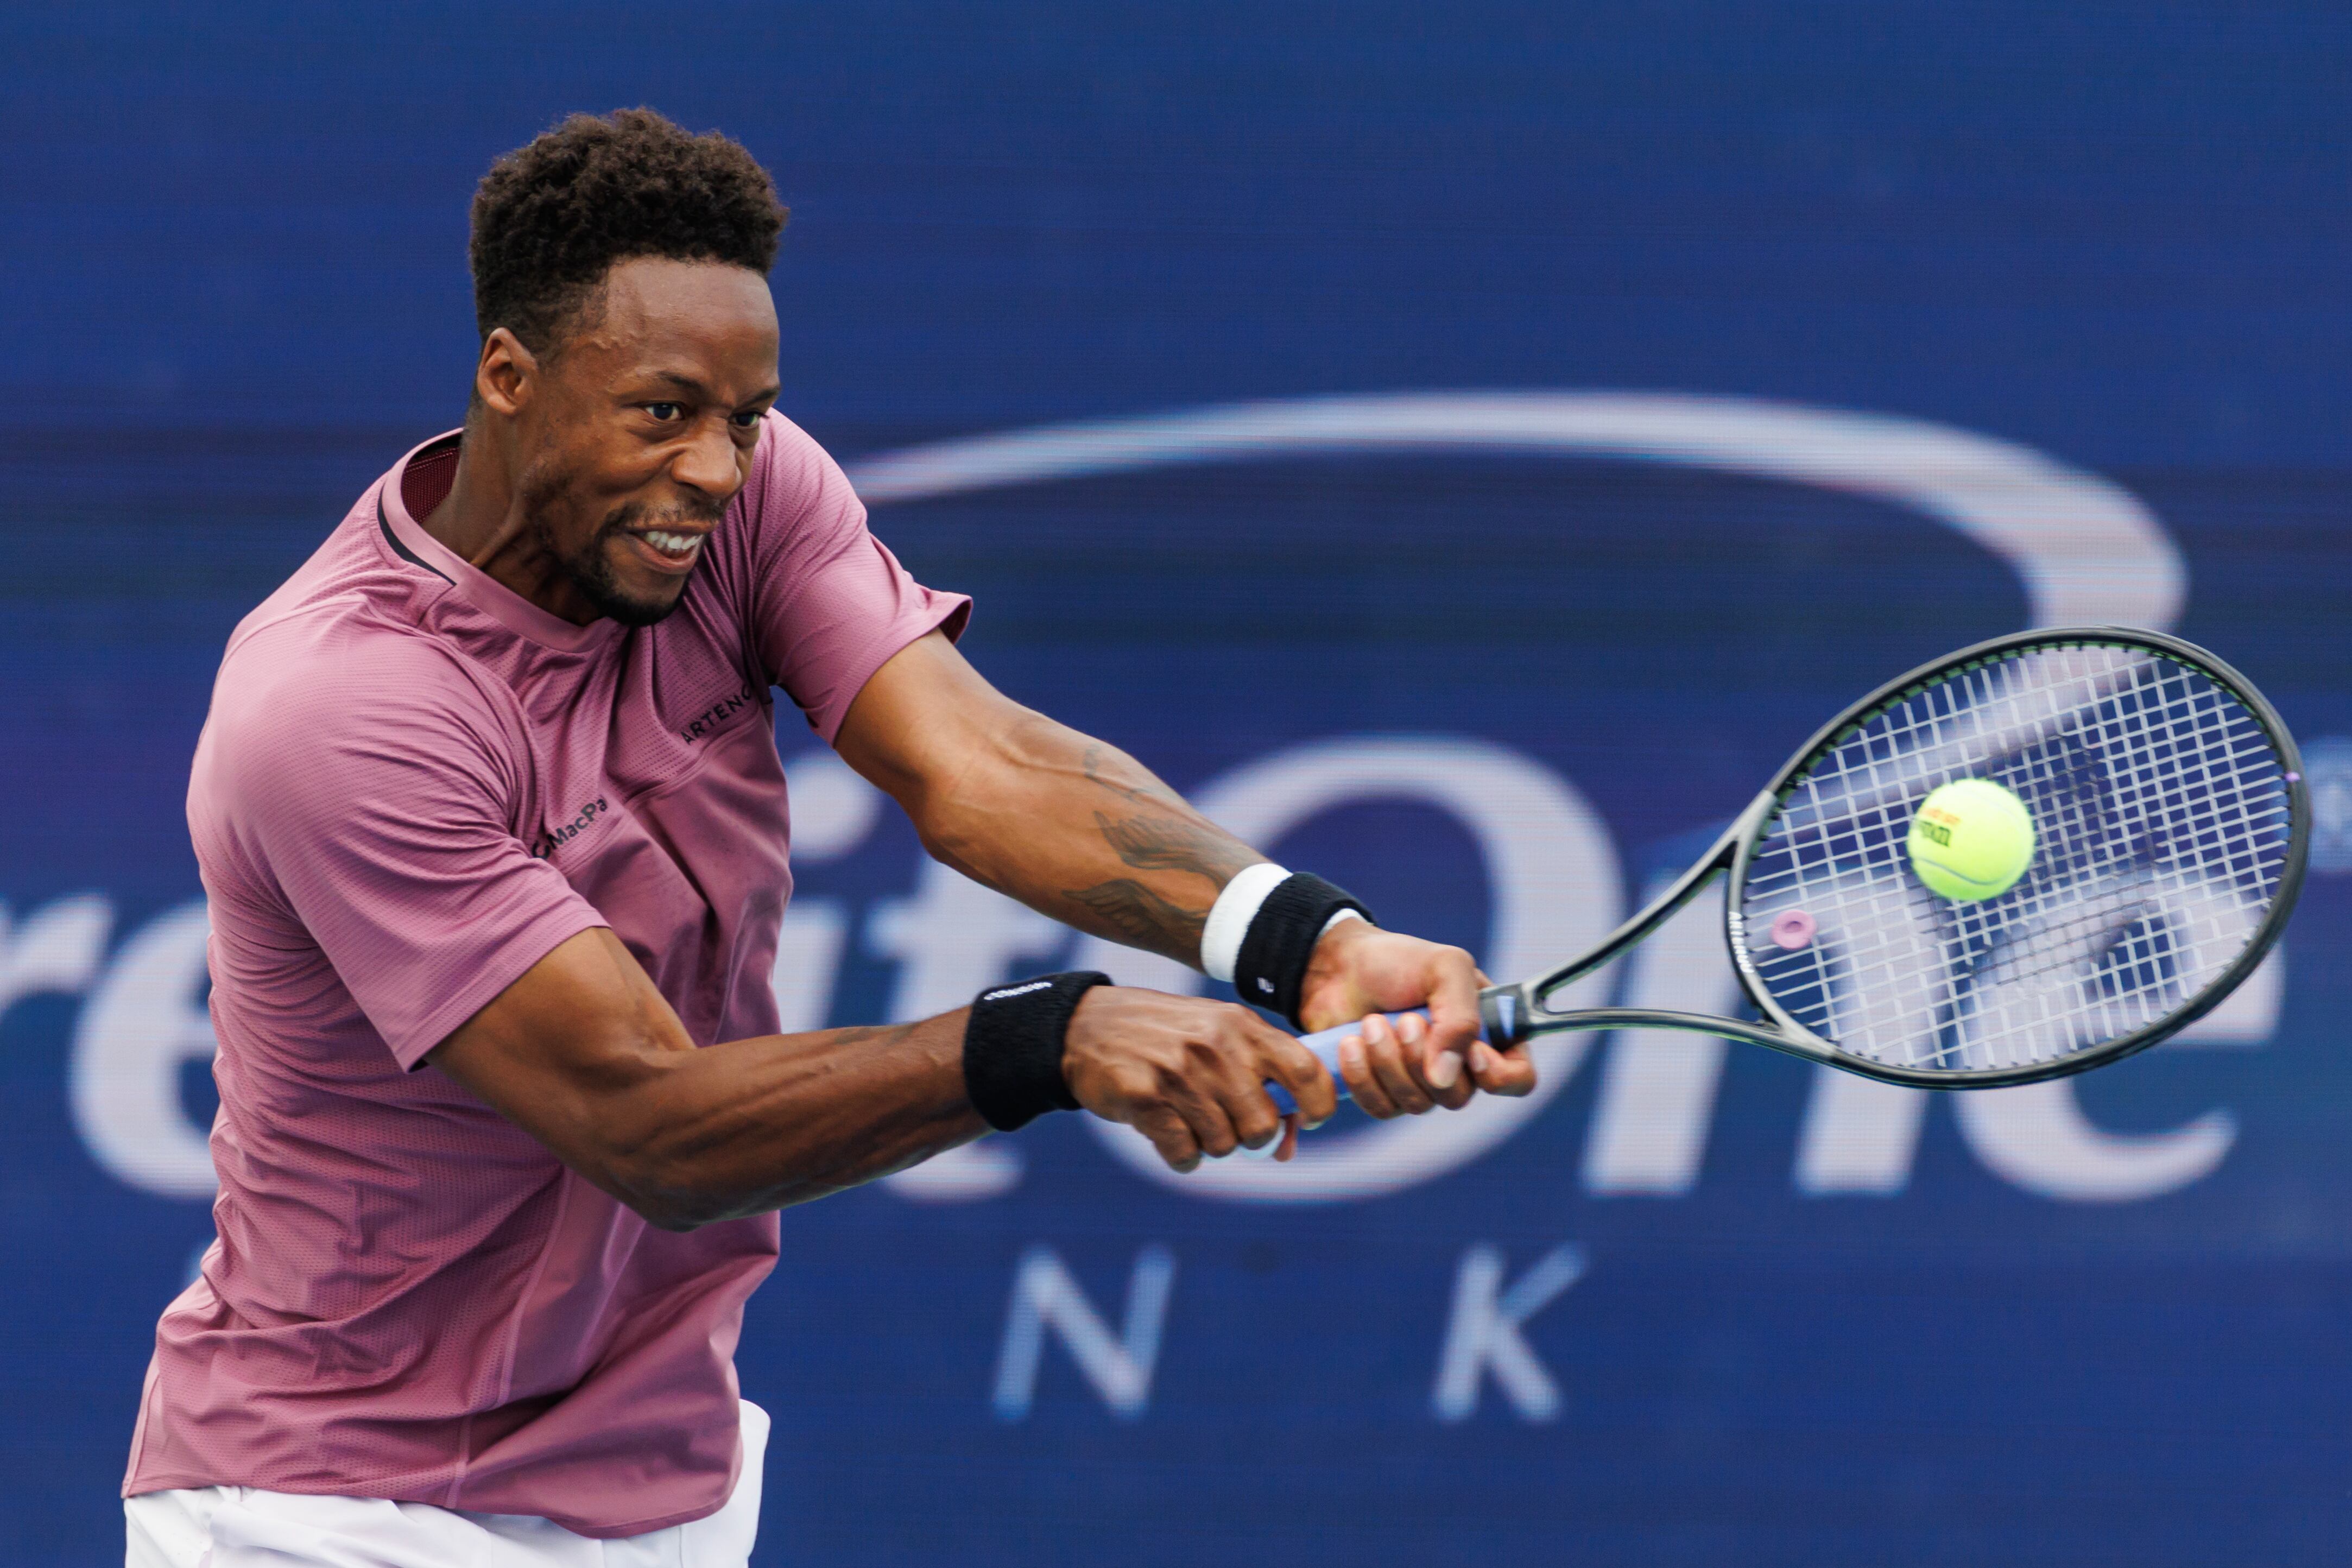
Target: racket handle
[
  {"x": 1325, "y": 1044},
  {"x": 1326, "y": 1047}
]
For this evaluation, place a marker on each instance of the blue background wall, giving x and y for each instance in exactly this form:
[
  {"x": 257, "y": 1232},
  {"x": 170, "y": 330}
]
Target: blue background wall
[{"x": 2116, "y": 235}]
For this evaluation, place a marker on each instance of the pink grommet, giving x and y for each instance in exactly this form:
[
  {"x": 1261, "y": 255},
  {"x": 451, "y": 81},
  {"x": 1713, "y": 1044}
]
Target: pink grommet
[{"x": 1792, "y": 929}]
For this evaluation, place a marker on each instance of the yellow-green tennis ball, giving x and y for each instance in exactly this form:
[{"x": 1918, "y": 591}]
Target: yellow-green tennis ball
[{"x": 1971, "y": 839}]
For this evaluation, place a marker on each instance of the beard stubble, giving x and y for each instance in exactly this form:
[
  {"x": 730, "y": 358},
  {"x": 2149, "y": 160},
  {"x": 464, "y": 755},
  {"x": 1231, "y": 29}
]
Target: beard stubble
[{"x": 589, "y": 570}]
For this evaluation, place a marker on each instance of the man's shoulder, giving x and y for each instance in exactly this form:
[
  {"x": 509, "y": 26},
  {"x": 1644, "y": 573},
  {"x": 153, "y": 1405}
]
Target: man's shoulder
[
  {"x": 795, "y": 509},
  {"x": 327, "y": 664},
  {"x": 795, "y": 485},
  {"x": 786, "y": 449},
  {"x": 325, "y": 711},
  {"x": 358, "y": 576}
]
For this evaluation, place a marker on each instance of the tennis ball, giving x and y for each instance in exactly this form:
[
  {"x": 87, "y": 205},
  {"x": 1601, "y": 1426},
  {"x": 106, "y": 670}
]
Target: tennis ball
[{"x": 1971, "y": 839}]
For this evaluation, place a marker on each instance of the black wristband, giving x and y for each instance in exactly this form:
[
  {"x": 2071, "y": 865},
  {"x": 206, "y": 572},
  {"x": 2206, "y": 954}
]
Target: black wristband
[
  {"x": 1013, "y": 1047},
  {"x": 1272, "y": 966}
]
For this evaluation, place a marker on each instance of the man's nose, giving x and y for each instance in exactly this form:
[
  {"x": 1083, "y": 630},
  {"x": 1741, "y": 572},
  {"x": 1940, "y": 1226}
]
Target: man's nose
[{"x": 707, "y": 461}]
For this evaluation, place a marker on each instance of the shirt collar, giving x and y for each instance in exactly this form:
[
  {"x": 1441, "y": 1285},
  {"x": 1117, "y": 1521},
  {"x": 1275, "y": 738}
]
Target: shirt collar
[{"x": 493, "y": 598}]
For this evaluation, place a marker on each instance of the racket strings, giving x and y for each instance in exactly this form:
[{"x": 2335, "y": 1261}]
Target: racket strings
[{"x": 2162, "y": 813}]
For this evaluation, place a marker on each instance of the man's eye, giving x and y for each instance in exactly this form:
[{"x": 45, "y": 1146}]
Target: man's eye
[
  {"x": 748, "y": 421},
  {"x": 665, "y": 412}
]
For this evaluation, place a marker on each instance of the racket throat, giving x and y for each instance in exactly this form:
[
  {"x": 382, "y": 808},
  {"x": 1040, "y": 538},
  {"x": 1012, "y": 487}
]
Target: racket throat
[
  {"x": 1518, "y": 1012},
  {"x": 1504, "y": 1015},
  {"x": 1511, "y": 1018}
]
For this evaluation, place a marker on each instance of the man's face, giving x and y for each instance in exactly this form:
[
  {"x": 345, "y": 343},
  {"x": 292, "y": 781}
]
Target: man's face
[{"x": 643, "y": 432}]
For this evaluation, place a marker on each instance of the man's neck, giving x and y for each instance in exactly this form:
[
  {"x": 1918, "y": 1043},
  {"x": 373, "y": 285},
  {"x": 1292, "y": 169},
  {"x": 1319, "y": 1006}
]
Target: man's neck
[
  {"x": 470, "y": 515},
  {"x": 483, "y": 523}
]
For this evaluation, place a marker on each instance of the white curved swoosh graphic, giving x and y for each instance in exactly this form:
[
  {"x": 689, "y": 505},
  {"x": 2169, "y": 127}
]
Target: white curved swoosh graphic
[{"x": 2088, "y": 552}]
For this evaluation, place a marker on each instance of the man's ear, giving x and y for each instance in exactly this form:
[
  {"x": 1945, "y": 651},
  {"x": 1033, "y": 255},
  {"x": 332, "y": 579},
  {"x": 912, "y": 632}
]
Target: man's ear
[{"x": 508, "y": 373}]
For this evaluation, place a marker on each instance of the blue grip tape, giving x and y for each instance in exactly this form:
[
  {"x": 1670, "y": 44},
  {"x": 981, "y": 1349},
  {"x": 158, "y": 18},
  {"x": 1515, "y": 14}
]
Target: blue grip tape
[{"x": 1326, "y": 1047}]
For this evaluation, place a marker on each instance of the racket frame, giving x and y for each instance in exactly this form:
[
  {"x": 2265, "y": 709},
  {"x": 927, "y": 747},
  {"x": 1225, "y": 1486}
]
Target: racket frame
[{"x": 1516, "y": 1013}]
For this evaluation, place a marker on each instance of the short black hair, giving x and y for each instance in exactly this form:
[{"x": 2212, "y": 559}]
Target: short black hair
[{"x": 553, "y": 217}]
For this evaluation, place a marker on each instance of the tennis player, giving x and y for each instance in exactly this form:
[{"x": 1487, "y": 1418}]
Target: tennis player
[{"x": 496, "y": 842}]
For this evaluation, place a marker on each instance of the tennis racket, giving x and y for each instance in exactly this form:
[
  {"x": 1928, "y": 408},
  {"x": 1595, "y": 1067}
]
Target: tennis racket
[{"x": 2171, "y": 826}]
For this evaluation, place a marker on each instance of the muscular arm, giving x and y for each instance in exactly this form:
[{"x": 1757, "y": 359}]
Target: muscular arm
[
  {"x": 585, "y": 1054},
  {"x": 1069, "y": 826}
]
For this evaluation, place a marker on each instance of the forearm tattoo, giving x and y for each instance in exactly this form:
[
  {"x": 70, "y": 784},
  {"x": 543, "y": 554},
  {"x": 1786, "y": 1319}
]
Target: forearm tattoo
[
  {"x": 1134, "y": 914},
  {"x": 1164, "y": 837}
]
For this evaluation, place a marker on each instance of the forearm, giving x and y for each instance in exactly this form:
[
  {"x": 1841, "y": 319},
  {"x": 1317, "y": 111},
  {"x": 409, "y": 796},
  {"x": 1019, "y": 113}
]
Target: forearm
[
  {"x": 587, "y": 1056},
  {"x": 759, "y": 1124},
  {"x": 1076, "y": 828},
  {"x": 1071, "y": 826}
]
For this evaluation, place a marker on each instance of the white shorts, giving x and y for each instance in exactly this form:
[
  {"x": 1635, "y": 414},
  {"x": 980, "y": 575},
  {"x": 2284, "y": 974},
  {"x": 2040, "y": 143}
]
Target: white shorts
[{"x": 244, "y": 1527}]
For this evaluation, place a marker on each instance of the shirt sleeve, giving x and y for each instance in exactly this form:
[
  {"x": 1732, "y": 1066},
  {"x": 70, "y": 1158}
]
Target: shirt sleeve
[
  {"x": 829, "y": 605},
  {"x": 384, "y": 805}
]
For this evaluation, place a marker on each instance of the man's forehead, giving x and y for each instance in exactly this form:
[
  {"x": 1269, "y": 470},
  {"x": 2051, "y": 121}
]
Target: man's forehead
[{"x": 688, "y": 320}]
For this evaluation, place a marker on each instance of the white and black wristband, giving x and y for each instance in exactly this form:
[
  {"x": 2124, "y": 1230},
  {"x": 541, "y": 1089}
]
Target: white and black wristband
[
  {"x": 1013, "y": 1047},
  {"x": 1261, "y": 932}
]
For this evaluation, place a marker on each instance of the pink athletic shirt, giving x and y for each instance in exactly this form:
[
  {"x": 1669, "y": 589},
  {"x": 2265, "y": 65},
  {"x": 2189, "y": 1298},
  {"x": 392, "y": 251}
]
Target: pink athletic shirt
[{"x": 412, "y": 786}]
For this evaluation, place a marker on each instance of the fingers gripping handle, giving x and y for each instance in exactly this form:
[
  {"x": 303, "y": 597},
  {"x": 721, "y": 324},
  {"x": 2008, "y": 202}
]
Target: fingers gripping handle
[{"x": 1326, "y": 1047}]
